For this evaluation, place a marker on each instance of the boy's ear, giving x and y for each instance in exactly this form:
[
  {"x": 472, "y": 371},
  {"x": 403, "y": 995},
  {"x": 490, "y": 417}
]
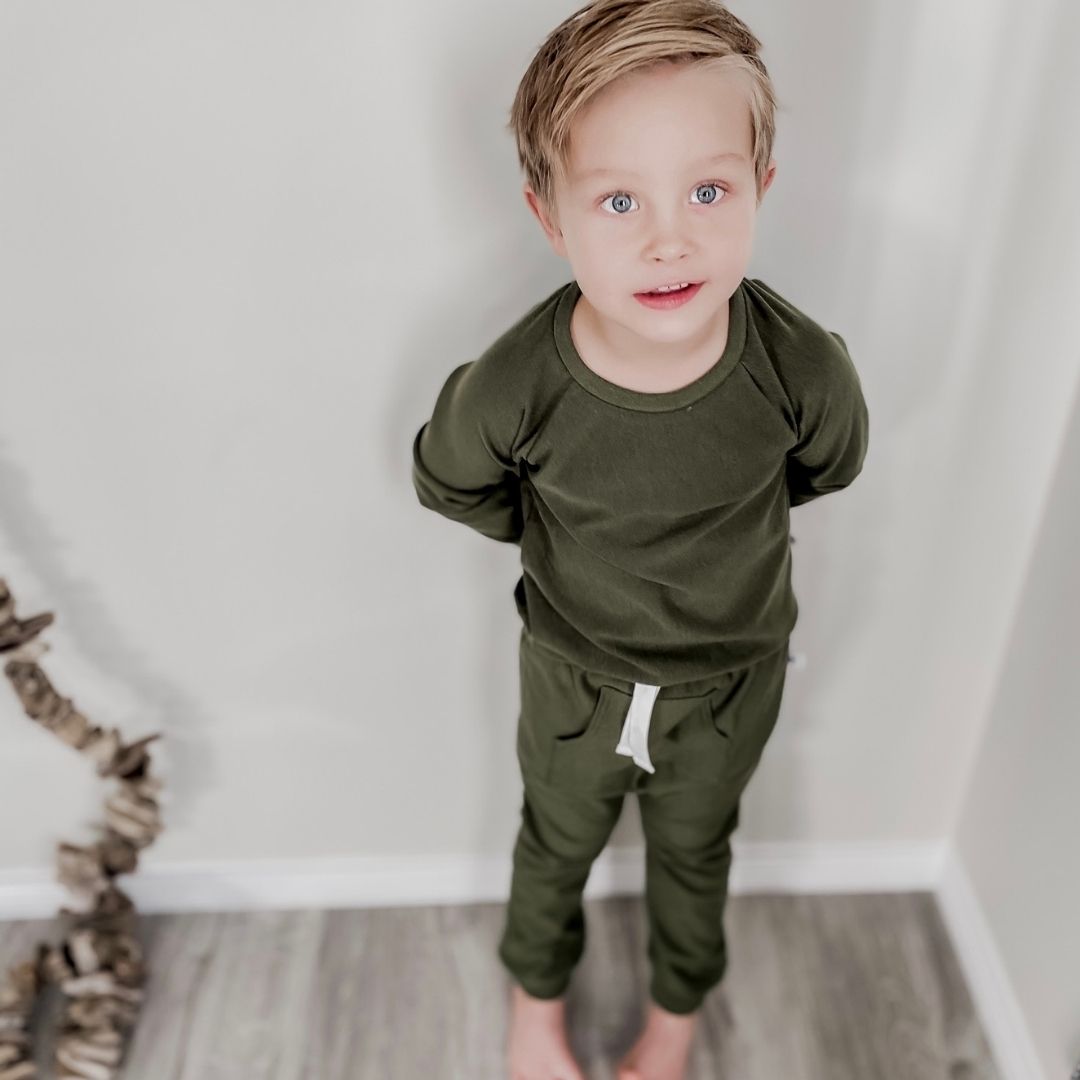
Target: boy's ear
[
  {"x": 548, "y": 222},
  {"x": 770, "y": 173}
]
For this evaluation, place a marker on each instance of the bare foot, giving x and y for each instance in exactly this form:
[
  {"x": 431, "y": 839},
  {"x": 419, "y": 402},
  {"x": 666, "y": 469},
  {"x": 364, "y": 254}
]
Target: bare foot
[
  {"x": 662, "y": 1049},
  {"x": 538, "y": 1049}
]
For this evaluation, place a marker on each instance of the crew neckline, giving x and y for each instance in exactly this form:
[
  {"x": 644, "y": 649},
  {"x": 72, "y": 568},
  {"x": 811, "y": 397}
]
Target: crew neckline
[{"x": 642, "y": 400}]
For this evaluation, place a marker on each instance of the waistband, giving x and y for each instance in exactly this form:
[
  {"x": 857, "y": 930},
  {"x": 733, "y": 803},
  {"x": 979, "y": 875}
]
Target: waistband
[
  {"x": 691, "y": 688},
  {"x": 634, "y": 735}
]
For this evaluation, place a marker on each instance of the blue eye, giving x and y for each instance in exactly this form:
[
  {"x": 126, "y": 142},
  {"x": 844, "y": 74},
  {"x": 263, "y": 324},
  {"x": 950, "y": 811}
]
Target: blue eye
[
  {"x": 615, "y": 195},
  {"x": 624, "y": 198},
  {"x": 711, "y": 184}
]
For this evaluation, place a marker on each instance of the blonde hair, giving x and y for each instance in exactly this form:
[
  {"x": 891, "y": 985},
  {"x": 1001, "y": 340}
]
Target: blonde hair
[{"x": 607, "y": 39}]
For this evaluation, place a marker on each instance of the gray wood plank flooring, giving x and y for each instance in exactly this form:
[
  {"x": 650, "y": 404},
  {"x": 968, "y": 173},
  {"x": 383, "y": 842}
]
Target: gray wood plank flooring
[{"x": 818, "y": 988}]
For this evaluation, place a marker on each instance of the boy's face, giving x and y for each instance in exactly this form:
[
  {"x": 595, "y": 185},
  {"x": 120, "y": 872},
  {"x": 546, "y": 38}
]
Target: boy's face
[{"x": 661, "y": 212}]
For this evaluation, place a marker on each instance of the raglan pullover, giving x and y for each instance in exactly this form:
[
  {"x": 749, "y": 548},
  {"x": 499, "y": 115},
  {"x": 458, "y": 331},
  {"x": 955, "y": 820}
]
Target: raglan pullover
[{"x": 653, "y": 527}]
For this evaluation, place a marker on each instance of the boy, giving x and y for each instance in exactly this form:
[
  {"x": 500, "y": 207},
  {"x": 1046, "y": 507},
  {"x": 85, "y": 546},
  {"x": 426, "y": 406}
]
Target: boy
[{"x": 641, "y": 433}]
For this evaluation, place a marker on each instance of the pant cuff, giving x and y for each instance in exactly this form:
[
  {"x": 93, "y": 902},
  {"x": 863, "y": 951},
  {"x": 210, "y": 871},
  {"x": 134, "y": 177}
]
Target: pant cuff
[{"x": 680, "y": 1006}]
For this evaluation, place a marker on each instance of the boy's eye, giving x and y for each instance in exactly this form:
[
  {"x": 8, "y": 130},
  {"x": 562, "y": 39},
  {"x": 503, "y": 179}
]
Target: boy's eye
[{"x": 622, "y": 196}]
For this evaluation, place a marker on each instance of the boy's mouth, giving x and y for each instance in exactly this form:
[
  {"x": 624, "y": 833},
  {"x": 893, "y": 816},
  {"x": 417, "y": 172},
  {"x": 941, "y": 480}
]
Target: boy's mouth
[
  {"x": 674, "y": 287},
  {"x": 667, "y": 298}
]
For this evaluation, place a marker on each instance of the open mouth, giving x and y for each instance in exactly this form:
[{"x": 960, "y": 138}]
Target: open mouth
[
  {"x": 669, "y": 297},
  {"x": 671, "y": 292}
]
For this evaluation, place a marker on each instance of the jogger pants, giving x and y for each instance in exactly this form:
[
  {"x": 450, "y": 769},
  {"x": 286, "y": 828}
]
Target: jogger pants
[{"x": 687, "y": 750}]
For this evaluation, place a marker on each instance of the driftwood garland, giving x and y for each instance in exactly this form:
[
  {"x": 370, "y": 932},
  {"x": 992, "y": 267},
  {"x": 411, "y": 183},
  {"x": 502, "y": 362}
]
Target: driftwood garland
[{"x": 98, "y": 964}]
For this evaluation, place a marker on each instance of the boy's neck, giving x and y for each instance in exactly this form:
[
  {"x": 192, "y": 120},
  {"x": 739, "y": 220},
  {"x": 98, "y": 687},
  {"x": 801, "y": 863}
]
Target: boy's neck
[{"x": 655, "y": 372}]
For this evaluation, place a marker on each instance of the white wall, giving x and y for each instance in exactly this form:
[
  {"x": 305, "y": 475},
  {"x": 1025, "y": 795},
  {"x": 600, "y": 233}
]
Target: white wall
[
  {"x": 242, "y": 245},
  {"x": 1017, "y": 831},
  {"x": 1016, "y": 828}
]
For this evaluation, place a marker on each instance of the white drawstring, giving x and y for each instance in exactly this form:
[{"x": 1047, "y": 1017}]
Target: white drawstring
[{"x": 634, "y": 739}]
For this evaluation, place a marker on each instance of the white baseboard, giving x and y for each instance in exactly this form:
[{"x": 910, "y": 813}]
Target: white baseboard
[
  {"x": 998, "y": 1008},
  {"x": 407, "y": 881}
]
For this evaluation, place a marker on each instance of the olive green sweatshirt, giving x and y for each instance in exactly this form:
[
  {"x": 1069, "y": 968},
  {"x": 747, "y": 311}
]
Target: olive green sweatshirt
[{"x": 653, "y": 527}]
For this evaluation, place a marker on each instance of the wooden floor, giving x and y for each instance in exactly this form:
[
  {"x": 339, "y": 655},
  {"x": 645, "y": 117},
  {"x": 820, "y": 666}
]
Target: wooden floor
[{"x": 818, "y": 988}]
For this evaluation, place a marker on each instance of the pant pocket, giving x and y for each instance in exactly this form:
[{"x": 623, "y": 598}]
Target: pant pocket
[
  {"x": 703, "y": 739},
  {"x": 736, "y": 721},
  {"x": 568, "y": 726},
  {"x": 586, "y": 758}
]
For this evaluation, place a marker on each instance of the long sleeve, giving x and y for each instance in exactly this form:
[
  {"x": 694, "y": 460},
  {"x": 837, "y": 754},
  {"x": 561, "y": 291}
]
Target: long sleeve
[
  {"x": 833, "y": 428},
  {"x": 462, "y": 463}
]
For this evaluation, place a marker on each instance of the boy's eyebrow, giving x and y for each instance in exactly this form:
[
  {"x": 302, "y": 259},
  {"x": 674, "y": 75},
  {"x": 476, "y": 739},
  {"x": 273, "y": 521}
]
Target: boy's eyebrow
[{"x": 729, "y": 155}]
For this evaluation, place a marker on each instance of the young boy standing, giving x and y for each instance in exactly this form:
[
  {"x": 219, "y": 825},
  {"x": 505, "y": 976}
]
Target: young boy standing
[{"x": 642, "y": 433}]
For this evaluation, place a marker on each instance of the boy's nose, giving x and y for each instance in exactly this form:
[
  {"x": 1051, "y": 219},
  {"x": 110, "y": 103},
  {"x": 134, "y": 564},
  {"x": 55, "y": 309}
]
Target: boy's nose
[{"x": 634, "y": 739}]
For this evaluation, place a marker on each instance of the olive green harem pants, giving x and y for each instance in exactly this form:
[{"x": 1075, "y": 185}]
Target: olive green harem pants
[{"x": 687, "y": 750}]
